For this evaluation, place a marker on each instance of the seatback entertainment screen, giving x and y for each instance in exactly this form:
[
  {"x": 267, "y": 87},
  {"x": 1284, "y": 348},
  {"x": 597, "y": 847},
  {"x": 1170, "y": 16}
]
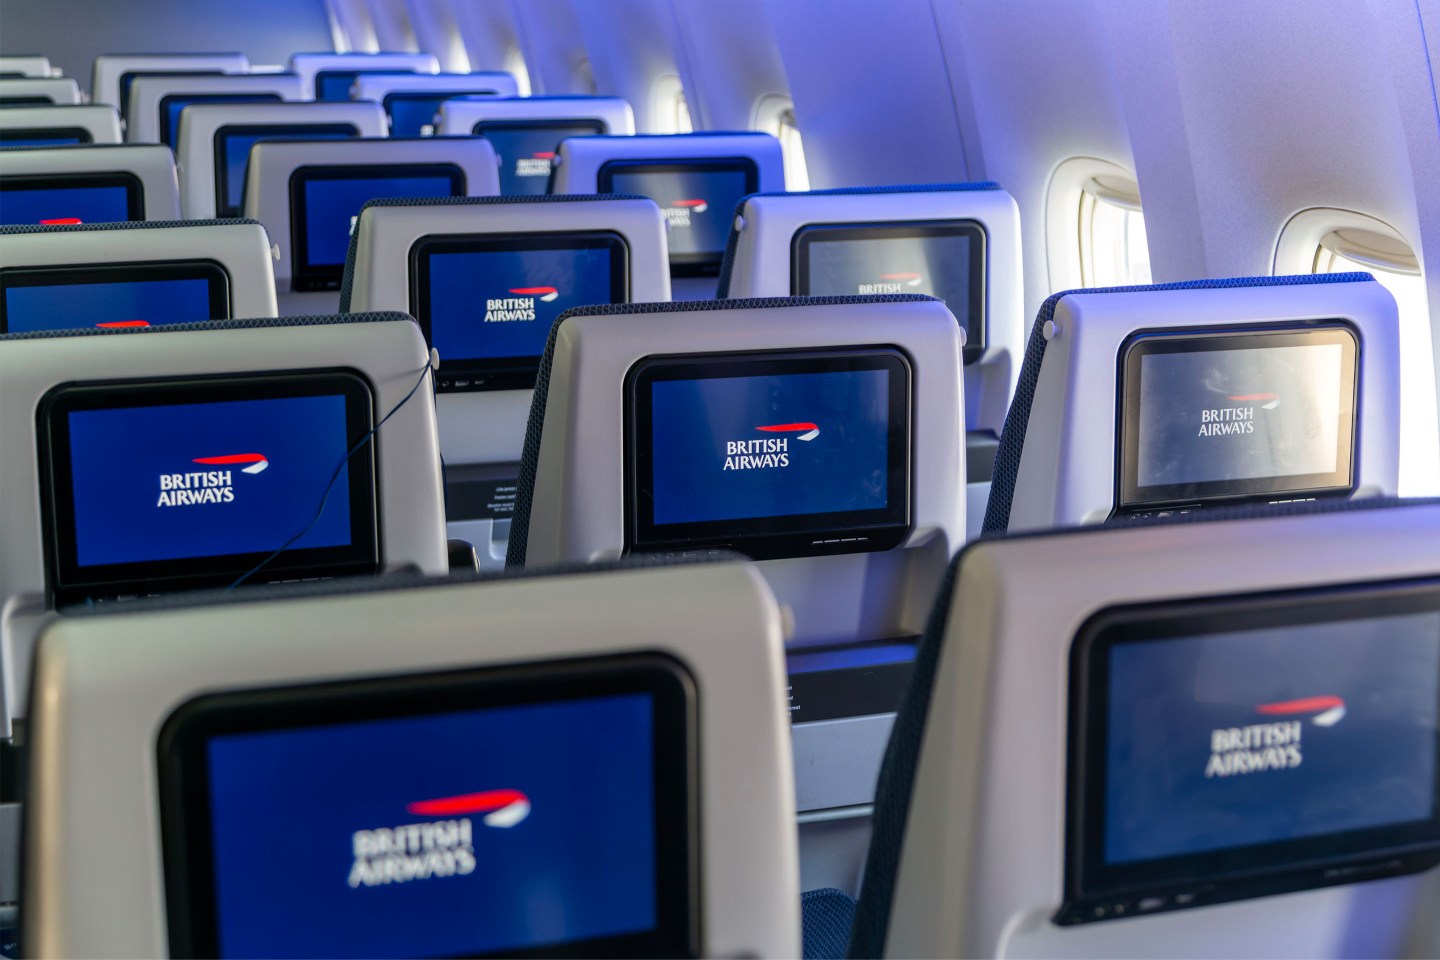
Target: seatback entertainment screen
[
  {"x": 944, "y": 259},
  {"x": 232, "y": 154},
  {"x": 57, "y": 199},
  {"x": 112, "y": 295},
  {"x": 1223, "y": 415},
  {"x": 770, "y": 455},
  {"x": 487, "y": 303},
  {"x": 539, "y": 809},
  {"x": 698, "y": 199},
  {"x": 1242, "y": 747},
  {"x": 526, "y": 149},
  {"x": 152, "y": 486}
]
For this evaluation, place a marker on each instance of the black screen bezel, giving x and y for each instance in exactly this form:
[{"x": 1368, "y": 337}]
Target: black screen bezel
[
  {"x": 35, "y": 101},
  {"x": 80, "y": 135},
  {"x": 185, "y": 805},
  {"x": 703, "y": 264},
  {"x": 904, "y": 230},
  {"x": 1342, "y": 482},
  {"x": 1093, "y": 889},
  {"x": 127, "y": 79},
  {"x": 768, "y": 538},
  {"x": 68, "y": 582},
  {"x": 129, "y": 182},
  {"x": 422, "y": 94},
  {"x": 321, "y": 76},
  {"x": 304, "y": 275},
  {"x": 169, "y": 140},
  {"x": 287, "y": 131},
  {"x": 214, "y": 274},
  {"x": 505, "y": 373}
]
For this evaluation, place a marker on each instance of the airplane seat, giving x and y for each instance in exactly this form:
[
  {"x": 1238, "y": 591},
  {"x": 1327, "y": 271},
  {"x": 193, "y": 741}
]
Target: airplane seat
[
  {"x": 853, "y": 541},
  {"x": 526, "y": 131},
  {"x": 327, "y": 77},
  {"x": 133, "y": 274},
  {"x": 27, "y": 66},
  {"x": 957, "y": 241},
  {"x": 698, "y": 179},
  {"x": 1234, "y": 709},
  {"x": 114, "y": 437},
  {"x": 39, "y": 92},
  {"x": 826, "y": 917},
  {"x": 413, "y": 100},
  {"x": 112, "y": 74},
  {"x": 309, "y": 195},
  {"x": 99, "y": 183},
  {"x": 619, "y": 788},
  {"x": 532, "y": 258},
  {"x": 215, "y": 141},
  {"x": 1222, "y": 423},
  {"x": 58, "y": 126},
  {"x": 157, "y": 102}
]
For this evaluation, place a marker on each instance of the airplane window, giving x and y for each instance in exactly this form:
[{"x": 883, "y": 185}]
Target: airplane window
[
  {"x": 585, "y": 78},
  {"x": 669, "y": 108},
  {"x": 797, "y": 175},
  {"x": 682, "y": 115},
  {"x": 1113, "y": 247},
  {"x": 1392, "y": 263},
  {"x": 515, "y": 66}
]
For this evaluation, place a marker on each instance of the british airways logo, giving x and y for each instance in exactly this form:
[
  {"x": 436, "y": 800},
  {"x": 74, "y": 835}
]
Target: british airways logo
[
  {"x": 435, "y": 848},
  {"x": 61, "y": 222},
  {"x": 520, "y": 305},
  {"x": 536, "y": 165},
  {"x": 208, "y": 486},
  {"x": 891, "y": 283},
  {"x": 1237, "y": 418},
  {"x": 122, "y": 324},
  {"x": 679, "y": 212},
  {"x": 768, "y": 452},
  {"x": 1275, "y": 744}
]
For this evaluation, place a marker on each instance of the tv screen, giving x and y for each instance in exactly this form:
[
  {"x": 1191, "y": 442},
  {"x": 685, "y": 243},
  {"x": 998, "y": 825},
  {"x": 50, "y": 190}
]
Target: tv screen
[
  {"x": 25, "y": 101},
  {"x": 526, "y": 150},
  {"x": 325, "y": 200},
  {"x": 71, "y": 198},
  {"x": 129, "y": 77},
  {"x": 770, "y": 455},
  {"x": 944, "y": 259},
  {"x": 170, "y": 107},
  {"x": 232, "y": 154},
  {"x": 539, "y": 810},
  {"x": 1241, "y": 747},
  {"x": 698, "y": 199},
  {"x": 112, "y": 295},
  {"x": 333, "y": 86},
  {"x": 487, "y": 303},
  {"x": 43, "y": 136},
  {"x": 163, "y": 485},
  {"x": 412, "y": 112},
  {"x": 1223, "y": 415}
]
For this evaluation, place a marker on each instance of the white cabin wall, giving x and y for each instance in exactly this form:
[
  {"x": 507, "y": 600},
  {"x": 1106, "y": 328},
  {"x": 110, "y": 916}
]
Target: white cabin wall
[
  {"x": 553, "y": 47},
  {"x": 731, "y": 62},
  {"x": 392, "y": 26},
  {"x": 871, "y": 92},
  {"x": 437, "y": 32},
  {"x": 1021, "y": 118},
  {"x": 633, "y": 51},
  {"x": 487, "y": 31},
  {"x": 353, "y": 28}
]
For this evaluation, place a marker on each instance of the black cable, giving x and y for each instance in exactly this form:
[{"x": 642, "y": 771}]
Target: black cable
[{"x": 359, "y": 445}]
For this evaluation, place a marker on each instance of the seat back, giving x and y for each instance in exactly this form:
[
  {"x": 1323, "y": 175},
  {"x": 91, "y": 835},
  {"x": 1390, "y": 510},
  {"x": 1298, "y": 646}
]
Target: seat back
[
  {"x": 58, "y": 126},
  {"x": 412, "y": 101},
  {"x": 633, "y": 775},
  {"x": 154, "y": 109},
  {"x": 597, "y": 482},
  {"x": 133, "y": 274},
  {"x": 329, "y": 76},
  {"x": 958, "y": 241},
  {"x": 308, "y": 194},
  {"x": 112, "y": 74},
  {"x": 212, "y": 376},
  {"x": 697, "y": 179},
  {"x": 215, "y": 142},
  {"x": 101, "y": 183},
  {"x": 1242, "y": 705},
  {"x": 36, "y": 91},
  {"x": 1218, "y": 427},
  {"x": 532, "y": 258},
  {"x": 526, "y": 131},
  {"x": 28, "y": 66}
]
